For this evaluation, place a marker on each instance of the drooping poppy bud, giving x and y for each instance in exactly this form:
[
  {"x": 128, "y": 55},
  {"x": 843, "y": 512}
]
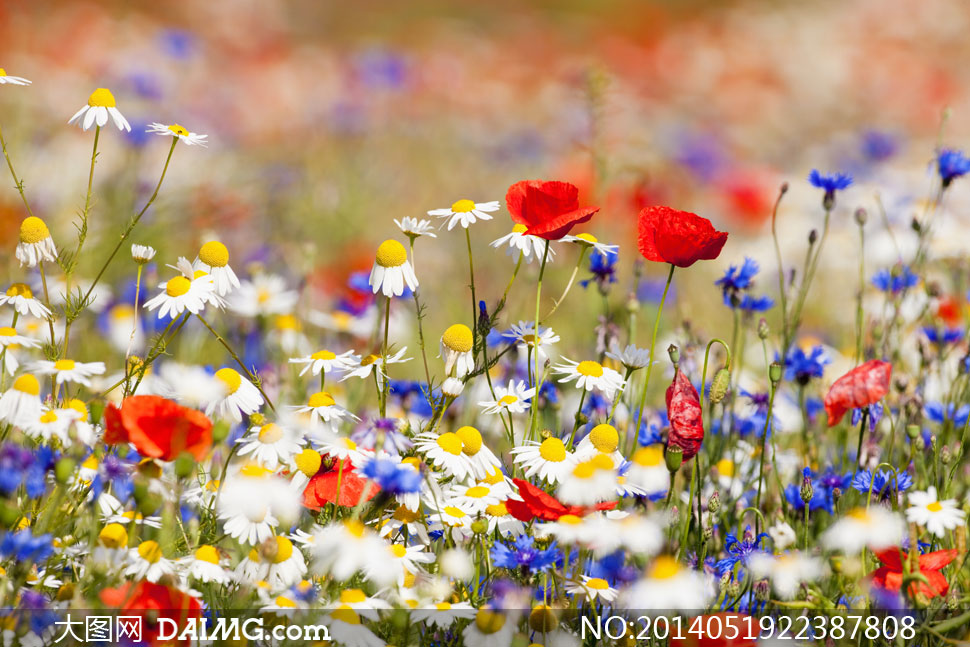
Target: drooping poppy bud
[
  {"x": 864, "y": 385},
  {"x": 684, "y": 413}
]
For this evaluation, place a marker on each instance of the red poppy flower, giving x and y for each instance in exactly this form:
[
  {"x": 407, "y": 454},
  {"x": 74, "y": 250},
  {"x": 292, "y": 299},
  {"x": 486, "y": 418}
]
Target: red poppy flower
[
  {"x": 684, "y": 414},
  {"x": 153, "y": 602},
  {"x": 890, "y": 574},
  {"x": 536, "y": 503},
  {"x": 713, "y": 629},
  {"x": 547, "y": 209},
  {"x": 158, "y": 428},
  {"x": 860, "y": 387},
  {"x": 680, "y": 238},
  {"x": 322, "y": 488}
]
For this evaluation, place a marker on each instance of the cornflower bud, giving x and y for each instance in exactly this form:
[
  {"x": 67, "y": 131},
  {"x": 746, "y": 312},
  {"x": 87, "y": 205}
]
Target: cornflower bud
[
  {"x": 912, "y": 431},
  {"x": 812, "y": 236},
  {"x": 807, "y": 491},
  {"x": 861, "y": 216},
  {"x": 762, "y": 591},
  {"x": 763, "y": 329},
  {"x": 714, "y": 503}
]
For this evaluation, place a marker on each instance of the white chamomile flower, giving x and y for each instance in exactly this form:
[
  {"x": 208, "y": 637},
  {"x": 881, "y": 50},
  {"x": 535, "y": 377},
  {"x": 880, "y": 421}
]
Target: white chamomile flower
[
  {"x": 366, "y": 364},
  {"x": 631, "y": 357},
  {"x": 214, "y": 259},
  {"x": 670, "y": 586},
  {"x": 485, "y": 465},
  {"x": 146, "y": 561},
  {"x": 346, "y": 629},
  {"x": 786, "y": 571},
  {"x": 362, "y": 603},
  {"x": 271, "y": 445},
  {"x": 178, "y": 132},
  {"x": 647, "y": 469},
  {"x": 101, "y": 105},
  {"x": 52, "y": 423},
  {"x": 514, "y": 399},
  {"x": 491, "y": 628},
  {"x": 281, "y": 565},
  {"x": 523, "y": 333},
  {"x": 782, "y": 535},
  {"x": 142, "y": 254},
  {"x": 325, "y": 361},
  {"x": 205, "y": 565},
  {"x": 254, "y": 502},
  {"x": 934, "y": 515},
  {"x": 263, "y": 294},
  {"x": 344, "y": 548},
  {"x": 874, "y": 527},
  {"x": 180, "y": 294},
  {"x": 454, "y": 518},
  {"x": 589, "y": 240},
  {"x": 525, "y": 245},
  {"x": 10, "y": 341},
  {"x": 239, "y": 396},
  {"x": 474, "y": 498},
  {"x": 12, "y": 80},
  {"x": 457, "y": 351},
  {"x": 466, "y": 212},
  {"x": 321, "y": 406},
  {"x": 21, "y": 298},
  {"x": 36, "y": 244},
  {"x": 602, "y": 439},
  {"x": 444, "y": 451},
  {"x": 592, "y": 588},
  {"x": 590, "y": 375},
  {"x": 589, "y": 482},
  {"x": 392, "y": 270},
  {"x": 452, "y": 387},
  {"x": 443, "y": 614},
  {"x": 342, "y": 448},
  {"x": 549, "y": 460},
  {"x": 414, "y": 228},
  {"x": 67, "y": 370},
  {"x": 190, "y": 385}
]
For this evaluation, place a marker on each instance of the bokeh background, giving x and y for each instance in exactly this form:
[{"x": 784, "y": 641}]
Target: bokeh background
[{"x": 326, "y": 120}]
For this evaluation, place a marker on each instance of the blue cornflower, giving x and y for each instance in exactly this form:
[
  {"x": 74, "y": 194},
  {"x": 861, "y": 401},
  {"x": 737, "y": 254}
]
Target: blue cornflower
[
  {"x": 756, "y": 304},
  {"x": 614, "y": 569},
  {"x": 25, "y": 547},
  {"x": 895, "y": 281},
  {"x": 801, "y": 368},
  {"x": 394, "y": 478},
  {"x": 878, "y": 146},
  {"x": 885, "y": 484},
  {"x": 651, "y": 432},
  {"x": 951, "y": 164},
  {"x": 823, "y": 487},
  {"x": 936, "y": 412},
  {"x": 874, "y": 415},
  {"x": 830, "y": 183},
  {"x": 395, "y": 442},
  {"x": 735, "y": 283},
  {"x": 522, "y": 554},
  {"x": 740, "y": 550},
  {"x": 603, "y": 267},
  {"x": 942, "y": 337}
]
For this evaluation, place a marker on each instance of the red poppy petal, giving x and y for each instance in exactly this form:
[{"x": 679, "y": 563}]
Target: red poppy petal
[
  {"x": 937, "y": 584},
  {"x": 936, "y": 560},
  {"x": 557, "y": 227},
  {"x": 683, "y": 238},
  {"x": 541, "y": 504},
  {"x": 860, "y": 387},
  {"x": 323, "y": 488},
  {"x": 890, "y": 557},
  {"x": 684, "y": 413},
  {"x": 646, "y": 233}
]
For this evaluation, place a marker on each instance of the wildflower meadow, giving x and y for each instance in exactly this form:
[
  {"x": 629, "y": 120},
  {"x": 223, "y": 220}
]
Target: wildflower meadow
[{"x": 516, "y": 423}]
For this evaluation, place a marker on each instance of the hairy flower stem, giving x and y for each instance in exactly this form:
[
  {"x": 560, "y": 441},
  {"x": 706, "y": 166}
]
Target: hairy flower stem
[
  {"x": 225, "y": 344},
  {"x": 82, "y": 231},
  {"x": 569, "y": 285},
  {"x": 471, "y": 284},
  {"x": 862, "y": 287},
  {"x": 134, "y": 325},
  {"x": 653, "y": 346},
  {"x": 420, "y": 317},
  {"x": 536, "y": 383},
  {"x": 685, "y": 522},
  {"x": 17, "y": 181},
  {"x": 386, "y": 385},
  {"x": 764, "y": 447}
]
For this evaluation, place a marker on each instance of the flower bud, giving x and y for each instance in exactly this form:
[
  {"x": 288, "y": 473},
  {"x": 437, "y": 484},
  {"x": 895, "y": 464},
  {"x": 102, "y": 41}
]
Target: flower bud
[
  {"x": 714, "y": 503},
  {"x": 632, "y": 304},
  {"x": 480, "y": 526},
  {"x": 915, "y": 226},
  {"x": 64, "y": 469},
  {"x": 184, "y": 465},
  {"x": 836, "y": 494},
  {"x": 807, "y": 491},
  {"x": 150, "y": 504},
  {"x": 720, "y": 384},
  {"x": 762, "y": 591},
  {"x": 828, "y": 200},
  {"x": 674, "y": 456},
  {"x": 946, "y": 456},
  {"x": 812, "y": 236},
  {"x": 763, "y": 329},
  {"x": 674, "y": 354},
  {"x": 774, "y": 373},
  {"x": 933, "y": 442},
  {"x": 861, "y": 216},
  {"x": 912, "y": 431},
  {"x": 920, "y": 444},
  {"x": 543, "y": 619},
  {"x": 257, "y": 419},
  {"x": 783, "y": 189},
  {"x": 220, "y": 431},
  {"x": 708, "y": 532}
]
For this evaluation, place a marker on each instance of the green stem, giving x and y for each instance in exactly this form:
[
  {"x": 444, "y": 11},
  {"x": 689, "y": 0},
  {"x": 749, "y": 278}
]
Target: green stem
[
  {"x": 653, "y": 345},
  {"x": 225, "y": 344},
  {"x": 471, "y": 278},
  {"x": 536, "y": 382},
  {"x": 685, "y": 524},
  {"x": 384, "y": 386},
  {"x": 569, "y": 285}
]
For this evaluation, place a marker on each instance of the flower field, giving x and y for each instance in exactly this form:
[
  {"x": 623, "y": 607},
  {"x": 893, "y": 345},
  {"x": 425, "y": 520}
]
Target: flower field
[{"x": 351, "y": 366}]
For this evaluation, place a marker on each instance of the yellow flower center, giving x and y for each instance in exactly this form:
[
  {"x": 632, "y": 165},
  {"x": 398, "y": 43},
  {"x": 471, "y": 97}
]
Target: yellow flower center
[
  {"x": 584, "y": 470},
  {"x": 308, "y": 462},
  {"x": 284, "y": 602},
  {"x": 497, "y": 509},
  {"x": 355, "y": 528},
  {"x": 597, "y": 583},
  {"x": 725, "y": 467},
  {"x": 207, "y": 554},
  {"x": 458, "y": 337},
  {"x": 452, "y": 511},
  {"x": 323, "y": 354},
  {"x": 477, "y": 492},
  {"x": 28, "y": 384},
  {"x": 214, "y": 253},
  {"x": 78, "y": 406},
  {"x": 570, "y": 520},
  {"x": 471, "y": 439},
  {"x": 230, "y": 378},
  {"x": 462, "y": 206},
  {"x": 494, "y": 477},
  {"x": 934, "y": 507},
  {"x": 113, "y": 535},
  {"x": 602, "y": 461},
  {"x": 405, "y": 515},
  {"x": 664, "y": 567},
  {"x": 284, "y": 550},
  {"x": 33, "y": 230},
  {"x": 443, "y": 606},
  {"x": 590, "y": 369},
  {"x": 391, "y": 254},
  {"x": 651, "y": 456},
  {"x": 589, "y": 238},
  {"x": 180, "y": 130},
  {"x": 604, "y": 438},
  {"x": 859, "y": 514},
  {"x": 64, "y": 364},
  {"x": 102, "y": 98},
  {"x": 270, "y": 433},
  {"x": 177, "y": 286},
  {"x": 3, "y": 72},
  {"x": 150, "y": 551},
  {"x": 352, "y": 596},
  {"x": 252, "y": 470},
  {"x": 413, "y": 461},
  {"x": 48, "y": 416},
  {"x": 519, "y": 229},
  {"x": 345, "y": 614},
  {"x": 552, "y": 450},
  {"x": 489, "y": 622},
  {"x": 369, "y": 359},
  {"x": 122, "y": 312},
  {"x": 321, "y": 399},
  {"x": 90, "y": 463},
  {"x": 450, "y": 442},
  {"x": 399, "y": 550},
  {"x": 508, "y": 399},
  {"x": 7, "y": 331},
  {"x": 20, "y": 290},
  {"x": 287, "y": 322}
]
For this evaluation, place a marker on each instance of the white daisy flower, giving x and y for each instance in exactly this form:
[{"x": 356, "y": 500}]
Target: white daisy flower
[
  {"x": 648, "y": 469},
  {"x": 631, "y": 357},
  {"x": 528, "y": 246},
  {"x": 452, "y": 387},
  {"x": 588, "y": 482},
  {"x": 589, "y": 240},
  {"x": 590, "y": 375},
  {"x": 321, "y": 406},
  {"x": 101, "y": 105},
  {"x": 474, "y": 498},
  {"x": 491, "y": 628},
  {"x": 20, "y": 296},
  {"x": 142, "y": 254},
  {"x": 249, "y": 503},
  {"x": 147, "y": 562},
  {"x": 36, "y": 244},
  {"x": 443, "y": 614},
  {"x": 592, "y": 588},
  {"x": 346, "y": 629},
  {"x": 514, "y": 399},
  {"x": 189, "y": 385},
  {"x": 10, "y": 341},
  {"x": 466, "y": 212},
  {"x": 326, "y": 361},
  {"x": 214, "y": 259},
  {"x": 876, "y": 528},
  {"x": 360, "y": 602},
  {"x": 367, "y": 364},
  {"x": 523, "y": 333},
  {"x": 414, "y": 228},
  {"x": 392, "y": 270},
  {"x": 617, "y": 530},
  {"x": 549, "y": 460},
  {"x": 239, "y": 396},
  {"x": 263, "y": 294},
  {"x": 444, "y": 451},
  {"x": 456, "y": 349},
  {"x": 20, "y": 403},
  {"x": 485, "y": 464},
  {"x": 347, "y": 547},
  {"x": 52, "y": 423},
  {"x": 68, "y": 370},
  {"x": 786, "y": 571},
  {"x": 178, "y": 132},
  {"x": 12, "y": 80},
  {"x": 782, "y": 535},
  {"x": 669, "y": 586},
  {"x": 499, "y": 520},
  {"x": 276, "y": 562},
  {"x": 934, "y": 515},
  {"x": 343, "y": 449},
  {"x": 180, "y": 294},
  {"x": 602, "y": 439},
  {"x": 271, "y": 445},
  {"x": 205, "y": 565}
]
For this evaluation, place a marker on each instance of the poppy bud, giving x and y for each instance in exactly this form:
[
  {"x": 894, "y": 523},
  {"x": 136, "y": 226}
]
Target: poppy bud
[
  {"x": 674, "y": 354},
  {"x": 861, "y": 216},
  {"x": 674, "y": 456},
  {"x": 150, "y": 469},
  {"x": 64, "y": 469},
  {"x": 220, "y": 431},
  {"x": 139, "y": 491},
  {"x": 720, "y": 384},
  {"x": 763, "y": 329},
  {"x": 812, "y": 236},
  {"x": 714, "y": 503},
  {"x": 184, "y": 465},
  {"x": 774, "y": 372},
  {"x": 95, "y": 412},
  {"x": 480, "y": 526}
]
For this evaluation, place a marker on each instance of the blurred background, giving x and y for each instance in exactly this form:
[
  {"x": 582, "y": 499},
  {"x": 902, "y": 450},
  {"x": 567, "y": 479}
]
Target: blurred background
[{"x": 327, "y": 120}]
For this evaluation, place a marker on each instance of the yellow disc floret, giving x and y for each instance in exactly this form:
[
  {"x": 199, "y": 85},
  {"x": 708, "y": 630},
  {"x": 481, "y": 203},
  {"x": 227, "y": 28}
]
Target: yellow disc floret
[
  {"x": 33, "y": 230},
  {"x": 284, "y": 550},
  {"x": 177, "y": 286},
  {"x": 308, "y": 462},
  {"x": 391, "y": 254},
  {"x": 651, "y": 456},
  {"x": 182, "y": 132},
  {"x": 462, "y": 206},
  {"x": 270, "y": 433},
  {"x": 458, "y": 337},
  {"x": 214, "y": 254},
  {"x": 230, "y": 378},
  {"x": 450, "y": 442},
  {"x": 150, "y": 551},
  {"x": 519, "y": 229},
  {"x": 65, "y": 364},
  {"x": 20, "y": 290},
  {"x": 471, "y": 439},
  {"x": 589, "y": 369},
  {"x": 553, "y": 450},
  {"x": 324, "y": 354},
  {"x": 604, "y": 438},
  {"x": 320, "y": 399},
  {"x": 113, "y": 535},
  {"x": 102, "y": 98},
  {"x": 208, "y": 554},
  {"x": 28, "y": 384},
  {"x": 664, "y": 568}
]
